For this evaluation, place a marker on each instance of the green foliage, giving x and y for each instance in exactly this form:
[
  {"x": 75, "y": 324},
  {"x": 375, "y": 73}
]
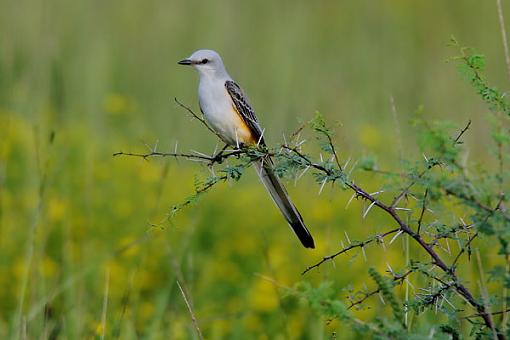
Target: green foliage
[
  {"x": 318, "y": 124},
  {"x": 321, "y": 300},
  {"x": 479, "y": 195},
  {"x": 470, "y": 66},
  {"x": 233, "y": 172},
  {"x": 435, "y": 139},
  {"x": 289, "y": 165},
  {"x": 368, "y": 163},
  {"x": 386, "y": 289},
  {"x": 447, "y": 329}
]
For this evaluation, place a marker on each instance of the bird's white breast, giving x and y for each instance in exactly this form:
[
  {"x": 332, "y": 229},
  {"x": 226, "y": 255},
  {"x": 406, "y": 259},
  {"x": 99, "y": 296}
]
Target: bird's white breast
[{"x": 218, "y": 110}]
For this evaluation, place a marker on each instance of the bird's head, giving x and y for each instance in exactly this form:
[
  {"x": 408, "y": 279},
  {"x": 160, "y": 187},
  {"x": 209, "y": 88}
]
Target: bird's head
[{"x": 206, "y": 62}]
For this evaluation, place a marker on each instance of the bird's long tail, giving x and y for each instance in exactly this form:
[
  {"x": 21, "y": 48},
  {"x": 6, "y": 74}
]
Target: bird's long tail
[{"x": 281, "y": 198}]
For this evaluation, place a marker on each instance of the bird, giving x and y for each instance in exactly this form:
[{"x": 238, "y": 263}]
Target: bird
[{"x": 228, "y": 112}]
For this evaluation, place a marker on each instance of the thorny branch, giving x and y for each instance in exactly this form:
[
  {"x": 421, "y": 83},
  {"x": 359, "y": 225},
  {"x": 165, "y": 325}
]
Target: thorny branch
[
  {"x": 367, "y": 295},
  {"x": 430, "y": 165},
  {"x": 337, "y": 173},
  {"x": 473, "y": 201},
  {"x": 404, "y": 227},
  {"x": 463, "y": 249},
  {"x": 468, "y": 244},
  {"x": 210, "y": 160},
  {"x": 362, "y": 244}
]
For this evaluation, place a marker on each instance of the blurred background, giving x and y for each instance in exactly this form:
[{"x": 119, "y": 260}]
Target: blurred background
[{"x": 85, "y": 246}]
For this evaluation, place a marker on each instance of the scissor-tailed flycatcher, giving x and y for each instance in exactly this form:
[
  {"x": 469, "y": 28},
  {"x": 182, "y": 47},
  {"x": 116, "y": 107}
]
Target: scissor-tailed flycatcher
[{"x": 228, "y": 112}]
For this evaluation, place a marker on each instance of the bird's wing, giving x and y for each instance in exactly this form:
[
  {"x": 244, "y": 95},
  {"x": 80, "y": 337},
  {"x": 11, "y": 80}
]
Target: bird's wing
[
  {"x": 244, "y": 110},
  {"x": 264, "y": 167}
]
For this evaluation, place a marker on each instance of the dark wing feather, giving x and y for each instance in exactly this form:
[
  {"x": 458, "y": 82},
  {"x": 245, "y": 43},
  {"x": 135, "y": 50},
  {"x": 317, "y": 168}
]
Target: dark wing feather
[
  {"x": 265, "y": 169},
  {"x": 244, "y": 109}
]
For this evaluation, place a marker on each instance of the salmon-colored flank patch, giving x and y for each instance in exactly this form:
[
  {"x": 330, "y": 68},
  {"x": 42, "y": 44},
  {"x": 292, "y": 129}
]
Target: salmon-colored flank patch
[{"x": 244, "y": 132}]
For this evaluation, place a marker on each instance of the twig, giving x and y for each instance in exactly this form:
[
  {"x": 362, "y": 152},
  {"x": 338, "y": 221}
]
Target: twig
[
  {"x": 503, "y": 35},
  {"x": 298, "y": 131},
  {"x": 491, "y": 213},
  {"x": 463, "y": 249},
  {"x": 423, "y": 208},
  {"x": 483, "y": 292},
  {"x": 478, "y": 315},
  {"x": 405, "y": 191},
  {"x": 372, "y": 293},
  {"x": 456, "y": 140},
  {"x": 330, "y": 141},
  {"x": 350, "y": 247},
  {"x": 364, "y": 298},
  {"x": 472, "y": 200},
  {"x": 218, "y": 158},
  {"x": 190, "y": 309},
  {"x": 194, "y": 115},
  {"x": 105, "y": 304}
]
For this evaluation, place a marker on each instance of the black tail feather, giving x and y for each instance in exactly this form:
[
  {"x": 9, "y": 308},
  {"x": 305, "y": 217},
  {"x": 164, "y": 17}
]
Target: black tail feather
[
  {"x": 281, "y": 198},
  {"x": 303, "y": 235}
]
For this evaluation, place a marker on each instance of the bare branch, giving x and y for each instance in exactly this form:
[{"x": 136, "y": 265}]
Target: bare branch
[
  {"x": 423, "y": 208},
  {"x": 463, "y": 249},
  {"x": 196, "y": 116},
  {"x": 333, "y": 149},
  {"x": 350, "y": 247},
  {"x": 472, "y": 200},
  {"x": 491, "y": 213},
  {"x": 479, "y": 316},
  {"x": 376, "y": 291},
  {"x": 456, "y": 140},
  {"x": 218, "y": 158}
]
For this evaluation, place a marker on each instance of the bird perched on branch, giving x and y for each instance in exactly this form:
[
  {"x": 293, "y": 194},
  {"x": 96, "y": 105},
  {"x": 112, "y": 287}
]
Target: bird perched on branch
[{"x": 226, "y": 109}]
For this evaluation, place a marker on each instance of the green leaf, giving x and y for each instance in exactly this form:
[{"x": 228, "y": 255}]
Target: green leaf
[
  {"x": 368, "y": 163},
  {"x": 476, "y": 61},
  {"x": 321, "y": 300},
  {"x": 387, "y": 291}
]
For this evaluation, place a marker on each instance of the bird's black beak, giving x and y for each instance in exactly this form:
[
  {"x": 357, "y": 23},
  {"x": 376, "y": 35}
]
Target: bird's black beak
[{"x": 185, "y": 62}]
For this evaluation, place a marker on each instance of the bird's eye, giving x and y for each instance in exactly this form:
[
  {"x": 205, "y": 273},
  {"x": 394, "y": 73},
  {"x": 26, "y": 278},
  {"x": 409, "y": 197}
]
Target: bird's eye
[{"x": 205, "y": 61}]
